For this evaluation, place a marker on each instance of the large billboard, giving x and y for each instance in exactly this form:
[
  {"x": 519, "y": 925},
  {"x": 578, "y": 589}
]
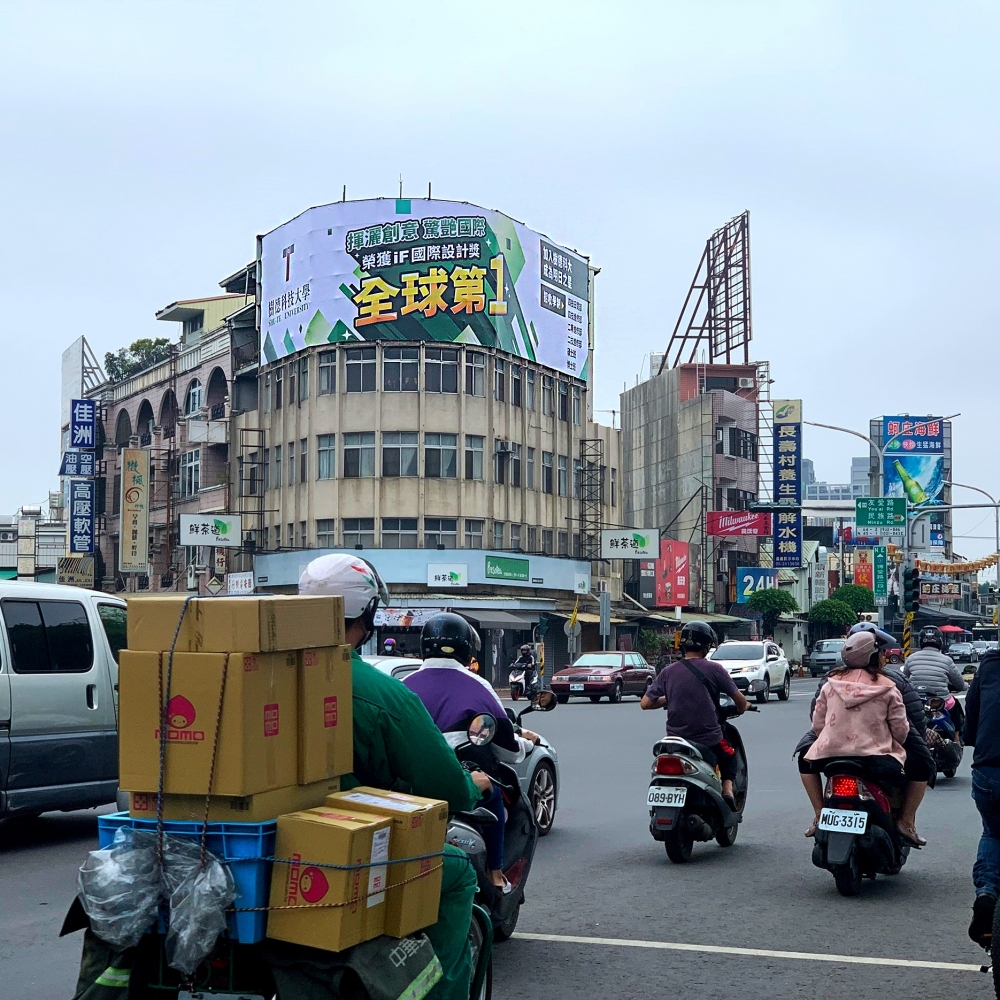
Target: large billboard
[
  {"x": 420, "y": 269},
  {"x": 673, "y": 574},
  {"x": 913, "y": 465}
]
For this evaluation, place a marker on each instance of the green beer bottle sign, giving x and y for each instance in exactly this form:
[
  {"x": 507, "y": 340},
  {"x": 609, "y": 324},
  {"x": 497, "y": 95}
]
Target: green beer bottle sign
[{"x": 914, "y": 491}]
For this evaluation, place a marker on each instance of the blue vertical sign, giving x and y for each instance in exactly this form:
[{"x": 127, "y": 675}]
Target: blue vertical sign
[
  {"x": 788, "y": 483},
  {"x": 81, "y": 517},
  {"x": 77, "y": 463},
  {"x": 83, "y": 423}
]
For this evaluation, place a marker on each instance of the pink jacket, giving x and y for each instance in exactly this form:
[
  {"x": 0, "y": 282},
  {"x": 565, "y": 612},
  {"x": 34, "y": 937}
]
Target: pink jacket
[{"x": 856, "y": 716}]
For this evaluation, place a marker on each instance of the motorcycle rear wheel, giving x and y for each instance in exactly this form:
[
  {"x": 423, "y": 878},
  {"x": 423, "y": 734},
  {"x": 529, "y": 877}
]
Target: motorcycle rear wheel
[
  {"x": 949, "y": 772},
  {"x": 678, "y": 844},
  {"x": 726, "y": 837},
  {"x": 848, "y": 876},
  {"x": 501, "y": 932}
]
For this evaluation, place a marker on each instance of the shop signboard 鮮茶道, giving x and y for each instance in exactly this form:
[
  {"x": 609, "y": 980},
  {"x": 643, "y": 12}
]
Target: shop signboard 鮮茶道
[{"x": 401, "y": 269}]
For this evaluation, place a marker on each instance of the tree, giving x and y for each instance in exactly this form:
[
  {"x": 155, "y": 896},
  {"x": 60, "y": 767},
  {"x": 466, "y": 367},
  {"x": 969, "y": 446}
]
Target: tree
[
  {"x": 856, "y": 596},
  {"x": 831, "y": 612},
  {"x": 138, "y": 356},
  {"x": 771, "y": 604}
]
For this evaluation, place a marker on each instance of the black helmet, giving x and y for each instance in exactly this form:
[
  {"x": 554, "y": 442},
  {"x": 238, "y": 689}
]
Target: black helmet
[
  {"x": 526, "y": 648},
  {"x": 450, "y": 636},
  {"x": 697, "y": 635},
  {"x": 882, "y": 639},
  {"x": 930, "y": 635}
]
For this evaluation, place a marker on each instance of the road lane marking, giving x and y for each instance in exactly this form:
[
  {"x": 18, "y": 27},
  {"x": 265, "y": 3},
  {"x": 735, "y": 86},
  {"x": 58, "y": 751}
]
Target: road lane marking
[{"x": 714, "y": 949}]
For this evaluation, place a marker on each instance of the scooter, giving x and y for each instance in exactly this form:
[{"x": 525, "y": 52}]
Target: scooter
[
  {"x": 856, "y": 836},
  {"x": 942, "y": 735},
  {"x": 520, "y": 830},
  {"x": 519, "y": 686},
  {"x": 685, "y": 791}
]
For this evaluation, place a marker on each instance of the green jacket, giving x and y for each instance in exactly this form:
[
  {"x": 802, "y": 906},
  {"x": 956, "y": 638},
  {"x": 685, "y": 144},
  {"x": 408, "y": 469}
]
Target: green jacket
[{"x": 398, "y": 747}]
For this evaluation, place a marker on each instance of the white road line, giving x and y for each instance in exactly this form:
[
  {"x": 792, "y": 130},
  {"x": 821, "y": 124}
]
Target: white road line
[{"x": 714, "y": 949}]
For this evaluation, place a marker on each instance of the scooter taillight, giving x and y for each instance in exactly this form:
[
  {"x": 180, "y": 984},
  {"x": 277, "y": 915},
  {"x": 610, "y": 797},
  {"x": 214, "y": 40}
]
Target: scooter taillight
[
  {"x": 844, "y": 786},
  {"x": 673, "y": 766}
]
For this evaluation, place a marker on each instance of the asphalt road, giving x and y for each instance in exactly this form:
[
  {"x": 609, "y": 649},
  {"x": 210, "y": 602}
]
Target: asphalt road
[{"x": 599, "y": 874}]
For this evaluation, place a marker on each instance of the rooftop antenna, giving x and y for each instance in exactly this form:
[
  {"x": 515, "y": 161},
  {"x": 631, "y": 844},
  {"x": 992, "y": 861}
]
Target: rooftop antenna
[
  {"x": 428, "y": 190},
  {"x": 343, "y": 196},
  {"x": 400, "y": 185}
]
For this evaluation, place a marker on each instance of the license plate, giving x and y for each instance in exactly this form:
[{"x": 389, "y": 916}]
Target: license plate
[
  {"x": 576, "y": 687},
  {"x": 843, "y": 821},
  {"x": 667, "y": 795}
]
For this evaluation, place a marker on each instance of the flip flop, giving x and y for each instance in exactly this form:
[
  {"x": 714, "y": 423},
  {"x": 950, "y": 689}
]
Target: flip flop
[
  {"x": 916, "y": 841},
  {"x": 811, "y": 832}
]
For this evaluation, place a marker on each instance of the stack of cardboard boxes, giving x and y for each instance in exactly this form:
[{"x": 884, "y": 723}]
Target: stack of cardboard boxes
[{"x": 259, "y": 719}]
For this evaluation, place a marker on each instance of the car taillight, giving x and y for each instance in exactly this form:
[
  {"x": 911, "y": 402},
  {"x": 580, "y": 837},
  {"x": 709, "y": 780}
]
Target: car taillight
[
  {"x": 673, "y": 766},
  {"x": 843, "y": 786}
]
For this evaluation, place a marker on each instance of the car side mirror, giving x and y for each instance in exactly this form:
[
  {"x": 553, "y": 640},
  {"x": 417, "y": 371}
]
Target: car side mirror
[
  {"x": 481, "y": 730},
  {"x": 772, "y": 657}
]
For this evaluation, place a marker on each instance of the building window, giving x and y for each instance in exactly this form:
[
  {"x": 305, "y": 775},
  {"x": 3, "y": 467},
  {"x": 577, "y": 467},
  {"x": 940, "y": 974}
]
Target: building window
[
  {"x": 279, "y": 375},
  {"x": 440, "y": 532},
  {"x": 499, "y": 463},
  {"x": 192, "y": 401},
  {"x": 499, "y": 380},
  {"x": 399, "y": 532},
  {"x": 548, "y": 396},
  {"x": 742, "y": 444},
  {"x": 577, "y": 404},
  {"x": 326, "y": 453},
  {"x": 304, "y": 533},
  {"x": 563, "y": 476},
  {"x": 327, "y": 372},
  {"x": 475, "y": 373},
  {"x": 191, "y": 473},
  {"x": 563, "y": 401},
  {"x": 291, "y": 383},
  {"x": 547, "y": 541},
  {"x": 265, "y": 393},
  {"x": 532, "y": 539},
  {"x": 326, "y": 535},
  {"x": 277, "y": 536},
  {"x": 515, "y": 385},
  {"x": 515, "y": 464},
  {"x": 400, "y": 369},
  {"x": 252, "y": 479},
  {"x": 361, "y": 369},
  {"x": 267, "y": 540},
  {"x": 399, "y": 457},
  {"x": 440, "y": 369},
  {"x": 576, "y": 544},
  {"x": 739, "y": 499},
  {"x": 563, "y": 549},
  {"x": 291, "y": 464},
  {"x": 304, "y": 460},
  {"x": 498, "y": 534},
  {"x": 359, "y": 532},
  {"x": 291, "y": 536},
  {"x": 614, "y": 487},
  {"x": 529, "y": 389},
  {"x": 441, "y": 456},
  {"x": 193, "y": 325},
  {"x": 303, "y": 379},
  {"x": 577, "y": 480},
  {"x": 359, "y": 456},
  {"x": 515, "y": 537},
  {"x": 267, "y": 471},
  {"x": 529, "y": 477},
  {"x": 473, "y": 533},
  {"x": 546, "y": 471},
  {"x": 473, "y": 456},
  {"x": 277, "y": 466}
]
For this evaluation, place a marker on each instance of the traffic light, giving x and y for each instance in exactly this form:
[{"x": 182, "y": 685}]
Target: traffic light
[{"x": 911, "y": 590}]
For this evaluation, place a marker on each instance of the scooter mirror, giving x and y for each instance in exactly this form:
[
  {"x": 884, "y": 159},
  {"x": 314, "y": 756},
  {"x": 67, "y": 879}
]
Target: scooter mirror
[
  {"x": 481, "y": 730},
  {"x": 510, "y": 714},
  {"x": 544, "y": 701}
]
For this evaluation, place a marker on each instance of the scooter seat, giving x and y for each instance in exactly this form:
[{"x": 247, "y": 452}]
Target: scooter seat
[{"x": 843, "y": 767}]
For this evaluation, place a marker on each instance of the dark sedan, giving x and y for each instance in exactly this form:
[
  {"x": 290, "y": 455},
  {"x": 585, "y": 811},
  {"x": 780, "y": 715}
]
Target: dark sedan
[
  {"x": 595, "y": 675},
  {"x": 963, "y": 652}
]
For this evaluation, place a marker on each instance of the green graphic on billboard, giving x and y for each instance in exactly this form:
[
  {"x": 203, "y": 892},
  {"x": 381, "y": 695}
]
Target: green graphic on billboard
[{"x": 502, "y": 568}]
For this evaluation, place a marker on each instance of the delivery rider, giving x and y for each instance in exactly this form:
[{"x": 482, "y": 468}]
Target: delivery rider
[{"x": 398, "y": 747}]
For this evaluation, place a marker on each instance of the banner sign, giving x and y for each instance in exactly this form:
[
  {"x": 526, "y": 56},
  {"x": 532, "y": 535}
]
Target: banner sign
[
  {"x": 949, "y": 590},
  {"x": 133, "y": 547},
  {"x": 83, "y": 423},
  {"x": 788, "y": 464},
  {"x": 673, "y": 574},
  {"x": 788, "y": 540},
  {"x": 405, "y": 617},
  {"x": 220, "y": 530},
  {"x": 77, "y": 463},
  {"x": 739, "y": 522},
  {"x": 76, "y": 571},
  {"x": 421, "y": 269},
  {"x": 447, "y": 575},
  {"x": 863, "y": 576},
  {"x": 81, "y": 517},
  {"x": 239, "y": 583},
  {"x": 913, "y": 465},
  {"x": 630, "y": 543},
  {"x": 880, "y": 563},
  {"x": 750, "y": 579},
  {"x": 502, "y": 568}
]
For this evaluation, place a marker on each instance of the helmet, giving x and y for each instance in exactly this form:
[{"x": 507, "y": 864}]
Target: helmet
[
  {"x": 882, "y": 639},
  {"x": 450, "y": 636},
  {"x": 354, "y": 579},
  {"x": 697, "y": 635},
  {"x": 389, "y": 643},
  {"x": 526, "y": 648},
  {"x": 930, "y": 635},
  {"x": 858, "y": 649}
]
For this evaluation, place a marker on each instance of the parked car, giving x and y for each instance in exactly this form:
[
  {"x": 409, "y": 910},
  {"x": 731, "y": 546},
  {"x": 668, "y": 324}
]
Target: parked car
[
  {"x": 825, "y": 656},
  {"x": 894, "y": 655},
  {"x": 982, "y": 645},
  {"x": 58, "y": 697},
  {"x": 538, "y": 773},
  {"x": 963, "y": 652},
  {"x": 757, "y": 668},
  {"x": 594, "y": 675}
]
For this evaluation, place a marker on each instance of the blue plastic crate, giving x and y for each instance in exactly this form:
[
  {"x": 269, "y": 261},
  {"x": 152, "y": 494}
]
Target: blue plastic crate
[{"x": 243, "y": 846}]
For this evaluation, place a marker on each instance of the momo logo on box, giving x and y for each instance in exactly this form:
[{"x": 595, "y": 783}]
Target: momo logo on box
[
  {"x": 309, "y": 883},
  {"x": 181, "y": 715},
  {"x": 330, "y": 712},
  {"x": 271, "y": 720}
]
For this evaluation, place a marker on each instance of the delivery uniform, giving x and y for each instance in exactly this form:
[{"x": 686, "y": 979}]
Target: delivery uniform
[{"x": 398, "y": 747}]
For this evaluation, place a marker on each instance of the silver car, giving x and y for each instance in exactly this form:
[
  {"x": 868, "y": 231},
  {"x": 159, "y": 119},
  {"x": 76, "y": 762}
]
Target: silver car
[
  {"x": 825, "y": 656},
  {"x": 538, "y": 773}
]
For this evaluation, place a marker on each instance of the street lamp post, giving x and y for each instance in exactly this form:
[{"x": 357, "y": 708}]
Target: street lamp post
[{"x": 996, "y": 522}]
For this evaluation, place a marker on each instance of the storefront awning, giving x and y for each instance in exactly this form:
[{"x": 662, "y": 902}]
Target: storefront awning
[{"x": 517, "y": 622}]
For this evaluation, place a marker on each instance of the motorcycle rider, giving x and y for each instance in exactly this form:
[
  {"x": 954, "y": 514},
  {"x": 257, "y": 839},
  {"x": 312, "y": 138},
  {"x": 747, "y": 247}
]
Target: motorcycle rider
[
  {"x": 931, "y": 668},
  {"x": 689, "y": 689},
  {"x": 526, "y": 662},
  {"x": 453, "y": 695},
  {"x": 397, "y": 746},
  {"x": 389, "y": 647}
]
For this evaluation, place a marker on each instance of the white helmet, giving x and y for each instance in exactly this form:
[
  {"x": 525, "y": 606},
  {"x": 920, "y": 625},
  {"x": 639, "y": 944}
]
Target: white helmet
[{"x": 350, "y": 577}]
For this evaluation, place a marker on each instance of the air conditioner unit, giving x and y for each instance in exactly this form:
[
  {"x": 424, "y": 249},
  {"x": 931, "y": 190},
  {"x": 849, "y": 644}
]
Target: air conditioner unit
[
  {"x": 502, "y": 445},
  {"x": 746, "y": 383}
]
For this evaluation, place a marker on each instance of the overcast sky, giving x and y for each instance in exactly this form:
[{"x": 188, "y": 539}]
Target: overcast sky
[{"x": 142, "y": 148}]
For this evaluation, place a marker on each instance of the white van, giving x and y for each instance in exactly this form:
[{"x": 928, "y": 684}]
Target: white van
[{"x": 58, "y": 697}]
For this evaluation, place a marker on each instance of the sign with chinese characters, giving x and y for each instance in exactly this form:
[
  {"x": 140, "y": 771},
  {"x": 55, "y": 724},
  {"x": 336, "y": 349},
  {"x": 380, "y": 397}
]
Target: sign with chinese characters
[
  {"x": 948, "y": 590},
  {"x": 81, "y": 517},
  {"x": 913, "y": 462},
  {"x": 447, "y": 575},
  {"x": 788, "y": 539},
  {"x": 421, "y": 269},
  {"x": 821, "y": 578},
  {"x": 878, "y": 516},
  {"x": 737, "y": 522},
  {"x": 880, "y": 570},
  {"x": 77, "y": 463},
  {"x": 863, "y": 569},
  {"x": 788, "y": 464},
  {"x": 405, "y": 617},
  {"x": 750, "y": 579},
  {"x": 239, "y": 583},
  {"x": 673, "y": 574},
  {"x": 133, "y": 546},
  {"x": 212, "y": 529},
  {"x": 629, "y": 543},
  {"x": 83, "y": 423},
  {"x": 76, "y": 571},
  {"x": 503, "y": 568}
]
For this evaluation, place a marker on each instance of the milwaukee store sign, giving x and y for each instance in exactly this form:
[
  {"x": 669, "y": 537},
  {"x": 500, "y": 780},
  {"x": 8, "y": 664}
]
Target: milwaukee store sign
[{"x": 737, "y": 522}]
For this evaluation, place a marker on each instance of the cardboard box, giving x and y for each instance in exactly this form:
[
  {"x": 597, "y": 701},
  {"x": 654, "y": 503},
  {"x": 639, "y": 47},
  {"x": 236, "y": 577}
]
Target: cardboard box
[
  {"x": 222, "y": 624},
  {"x": 256, "y": 808},
  {"x": 328, "y": 836},
  {"x": 419, "y": 828},
  {"x": 326, "y": 715},
  {"x": 258, "y": 734}
]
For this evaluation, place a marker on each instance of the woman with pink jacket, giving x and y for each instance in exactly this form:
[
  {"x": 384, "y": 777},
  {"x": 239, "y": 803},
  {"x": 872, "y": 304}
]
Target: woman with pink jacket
[{"x": 859, "y": 713}]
